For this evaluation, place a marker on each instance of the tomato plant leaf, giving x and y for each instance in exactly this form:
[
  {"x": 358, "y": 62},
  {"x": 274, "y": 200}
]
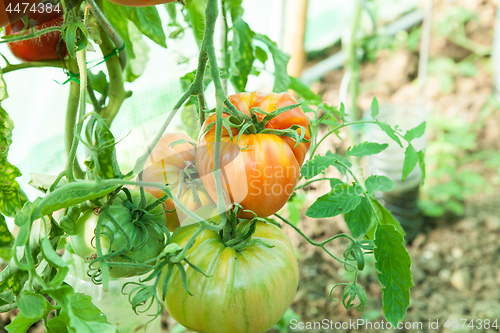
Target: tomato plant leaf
[
  {"x": 304, "y": 91},
  {"x": 14, "y": 282},
  {"x": 378, "y": 183},
  {"x": 390, "y": 132},
  {"x": 340, "y": 200},
  {"x": 416, "y": 132},
  {"x": 195, "y": 16},
  {"x": 385, "y": 217},
  {"x": 242, "y": 56},
  {"x": 393, "y": 264},
  {"x": 78, "y": 312},
  {"x": 318, "y": 164},
  {"x": 6, "y": 238},
  {"x": 55, "y": 260},
  {"x": 136, "y": 65},
  {"x": 359, "y": 219},
  {"x": 280, "y": 59},
  {"x": 234, "y": 7},
  {"x": 148, "y": 21},
  {"x": 365, "y": 149},
  {"x": 20, "y": 324},
  {"x": 44, "y": 182},
  {"x": 33, "y": 306},
  {"x": 3, "y": 94},
  {"x": 70, "y": 195},
  {"x": 11, "y": 198},
  {"x": 411, "y": 160},
  {"x": 374, "y": 108},
  {"x": 261, "y": 55}
]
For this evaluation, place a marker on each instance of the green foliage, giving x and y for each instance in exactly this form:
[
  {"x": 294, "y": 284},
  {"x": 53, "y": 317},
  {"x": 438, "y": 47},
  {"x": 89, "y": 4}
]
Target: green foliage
[
  {"x": 342, "y": 199},
  {"x": 452, "y": 159},
  {"x": 242, "y": 54},
  {"x": 393, "y": 263},
  {"x": 11, "y": 197},
  {"x": 365, "y": 149}
]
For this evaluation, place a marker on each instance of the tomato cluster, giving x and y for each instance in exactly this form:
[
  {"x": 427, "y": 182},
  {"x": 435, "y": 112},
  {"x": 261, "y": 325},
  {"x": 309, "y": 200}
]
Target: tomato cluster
[{"x": 250, "y": 276}]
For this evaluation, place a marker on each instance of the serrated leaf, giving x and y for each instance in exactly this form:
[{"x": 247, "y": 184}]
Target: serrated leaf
[
  {"x": 78, "y": 312},
  {"x": 280, "y": 59},
  {"x": 341, "y": 200},
  {"x": 242, "y": 56},
  {"x": 393, "y": 264},
  {"x": 11, "y": 198},
  {"x": 304, "y": 91},
  {"x": 416, "y": 132},
  {"x": 365, "y": 149},
  {"x": 374, "y": 108},
  {"x": 390, "y": 132},
  {"x": 359, "y": 219},
  {"x": 32, "y": 305},
  {"x": 70, "y": 195},
  {"x": 411, "y": 160},
  {"x": 318, "y": 164},
  {"x": 378, "y": 183},
  {"x": 20, "y": 324}
]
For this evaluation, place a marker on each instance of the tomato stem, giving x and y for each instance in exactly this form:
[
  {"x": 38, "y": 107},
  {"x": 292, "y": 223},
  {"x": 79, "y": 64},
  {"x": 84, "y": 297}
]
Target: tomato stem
[
  {"x": 82, "y": 65},
  {"x": 71, "y": 115},
  {"x": 32, "y": 64},
  {"x": 110, "y": 31}
]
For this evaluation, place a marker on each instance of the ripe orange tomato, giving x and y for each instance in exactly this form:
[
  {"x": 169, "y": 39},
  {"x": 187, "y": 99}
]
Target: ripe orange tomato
[
  {"x": 261, "y": 170},
  {"x": 140, "y": 3},
  {"x": 164, "y": 165}
]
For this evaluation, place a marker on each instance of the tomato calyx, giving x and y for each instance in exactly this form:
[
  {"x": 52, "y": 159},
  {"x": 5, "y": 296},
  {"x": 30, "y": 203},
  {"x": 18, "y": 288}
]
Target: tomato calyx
[
  {"x": 238, "y": 237},
  {"x": 356, "y": 250},
  {"x": 250, "y": 124}
]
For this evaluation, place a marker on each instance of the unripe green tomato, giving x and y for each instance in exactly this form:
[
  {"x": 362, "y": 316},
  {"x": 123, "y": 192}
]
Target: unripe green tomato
[
  {"x": 246, "y": 291},
  {"x": 147, "y": 242}
]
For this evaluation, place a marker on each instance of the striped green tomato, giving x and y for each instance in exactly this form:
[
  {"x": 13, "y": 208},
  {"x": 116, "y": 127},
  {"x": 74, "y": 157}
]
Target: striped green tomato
[{"x": 247, "y": 291}]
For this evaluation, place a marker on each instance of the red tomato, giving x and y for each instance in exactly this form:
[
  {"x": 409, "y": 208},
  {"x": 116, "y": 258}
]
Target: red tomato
[
  {"x": 140, "y": 3},
  {"x": 42, "y": 48},
  {"x": 259, "y": 171}
]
